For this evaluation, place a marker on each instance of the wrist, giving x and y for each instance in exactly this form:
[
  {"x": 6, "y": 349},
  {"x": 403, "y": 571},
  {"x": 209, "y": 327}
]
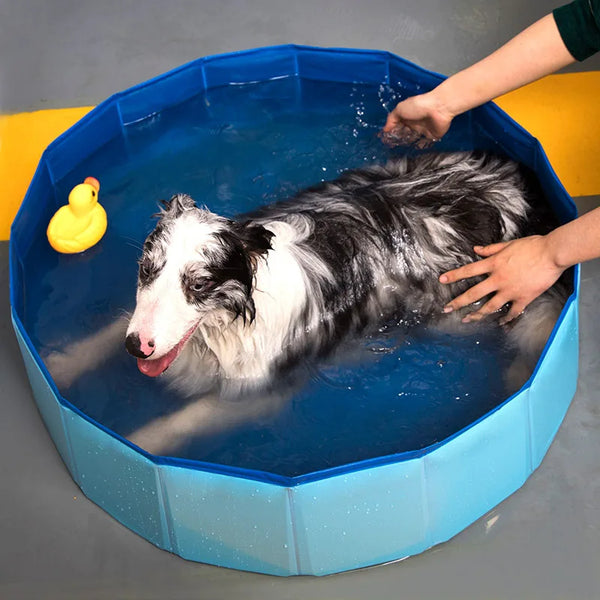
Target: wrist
[
  {"x": 440, "y": 102},
  {"x": 556, "y": 251}
]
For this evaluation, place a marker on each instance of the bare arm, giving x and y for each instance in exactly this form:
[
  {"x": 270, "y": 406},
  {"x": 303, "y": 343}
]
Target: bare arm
[
  {"x": 537, "y": 51},
  {"x": 520, "y": 270}
]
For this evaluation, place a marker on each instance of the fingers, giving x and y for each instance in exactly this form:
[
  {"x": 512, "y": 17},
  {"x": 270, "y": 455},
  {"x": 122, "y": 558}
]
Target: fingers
[
  {"x": 424, "y": 143},
  {"x": 399, "y": 135},
  {"x": 480, "y": 267},
  {"x": 515, "y": 310},
  {"x": 511, "y": 279},
  {"x": 402, "y": 131},
  {"x": 472, "y": 295},
  {"x": 493, "y": 305},
  {"x": 491, "y": 249},
  {"x": 391, "y": 123},
  {"x": 403, "y": 135}
]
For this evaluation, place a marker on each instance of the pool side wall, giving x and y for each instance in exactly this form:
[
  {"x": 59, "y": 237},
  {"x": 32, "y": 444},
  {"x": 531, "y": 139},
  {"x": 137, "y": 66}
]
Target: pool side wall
[{"x": 347, "y": 521}]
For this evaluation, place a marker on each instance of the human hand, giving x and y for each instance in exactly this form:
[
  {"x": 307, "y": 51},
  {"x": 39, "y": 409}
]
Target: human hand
[
  {"x": 517, "y": 271},
  {"x": 419, "y": 120}
]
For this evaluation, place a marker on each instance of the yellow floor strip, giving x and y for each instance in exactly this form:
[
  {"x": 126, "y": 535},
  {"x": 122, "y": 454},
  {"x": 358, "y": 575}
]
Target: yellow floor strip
[
  {"x": 23, "y": 138},
  {"x": 562, "y": 111}
]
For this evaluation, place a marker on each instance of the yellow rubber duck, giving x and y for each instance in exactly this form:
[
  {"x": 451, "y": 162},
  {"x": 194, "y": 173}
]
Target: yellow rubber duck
[{"x": 80, "y": 224}]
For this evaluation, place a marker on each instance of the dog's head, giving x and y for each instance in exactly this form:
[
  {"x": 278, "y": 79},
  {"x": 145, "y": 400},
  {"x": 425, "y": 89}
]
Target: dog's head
[{"x": 197, "y": 268}]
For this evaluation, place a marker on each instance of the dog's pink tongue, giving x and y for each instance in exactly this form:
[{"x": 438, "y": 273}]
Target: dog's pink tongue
[{"x": 153, "y": 368}]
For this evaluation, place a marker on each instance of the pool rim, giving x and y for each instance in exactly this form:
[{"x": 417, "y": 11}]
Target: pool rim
[{"x": 254, "y": 474}]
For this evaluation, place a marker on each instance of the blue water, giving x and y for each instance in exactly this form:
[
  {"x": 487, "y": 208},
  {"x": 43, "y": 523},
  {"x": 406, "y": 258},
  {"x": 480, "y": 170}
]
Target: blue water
[{"x": 234, "y": 149}]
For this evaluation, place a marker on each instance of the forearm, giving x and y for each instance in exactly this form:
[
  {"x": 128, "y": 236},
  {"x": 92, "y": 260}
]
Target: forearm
[
  {"x": 576, "y": 241},
  {"x": 537, "y": 51}
]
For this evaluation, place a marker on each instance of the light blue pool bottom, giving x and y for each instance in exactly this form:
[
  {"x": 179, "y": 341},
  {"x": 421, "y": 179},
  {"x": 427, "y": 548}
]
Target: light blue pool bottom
[{"x": 328, "y": 521}]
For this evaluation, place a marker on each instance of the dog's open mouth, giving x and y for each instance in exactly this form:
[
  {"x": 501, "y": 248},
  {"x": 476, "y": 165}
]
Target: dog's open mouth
[{"x": 153, "y": 367}]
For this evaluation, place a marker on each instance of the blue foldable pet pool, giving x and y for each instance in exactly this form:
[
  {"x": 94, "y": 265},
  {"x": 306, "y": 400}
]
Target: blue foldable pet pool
[{"x": 370, "y": 460}]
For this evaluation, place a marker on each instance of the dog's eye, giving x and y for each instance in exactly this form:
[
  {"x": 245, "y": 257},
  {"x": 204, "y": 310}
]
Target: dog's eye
[{"x": 201, "y": 285}]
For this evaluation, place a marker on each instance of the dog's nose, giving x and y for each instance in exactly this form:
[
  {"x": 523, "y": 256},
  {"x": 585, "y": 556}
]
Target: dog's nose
[{"x": 138, "y": 348}]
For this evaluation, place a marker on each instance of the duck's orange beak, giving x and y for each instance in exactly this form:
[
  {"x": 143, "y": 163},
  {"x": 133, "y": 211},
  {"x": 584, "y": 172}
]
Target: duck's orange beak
[{"x": 93, "y": 182}]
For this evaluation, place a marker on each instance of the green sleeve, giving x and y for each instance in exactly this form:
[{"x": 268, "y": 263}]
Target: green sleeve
[{"x": 579, "y": 26}]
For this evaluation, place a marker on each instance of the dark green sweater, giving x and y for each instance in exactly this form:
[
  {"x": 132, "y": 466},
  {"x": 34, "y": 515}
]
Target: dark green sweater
[{"x": 579, "y": 26}]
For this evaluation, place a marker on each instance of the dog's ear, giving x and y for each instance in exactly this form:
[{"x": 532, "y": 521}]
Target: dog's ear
[
  {"x": 255, "y": 237},
  {"x": 177, "y": 205},
  {"x": 244, "y": 309}
]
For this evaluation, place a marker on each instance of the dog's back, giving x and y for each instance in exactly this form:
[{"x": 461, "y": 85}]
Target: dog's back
[{"x": 384, "y": 234}]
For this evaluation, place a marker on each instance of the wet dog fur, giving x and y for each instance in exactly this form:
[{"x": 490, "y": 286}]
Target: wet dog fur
[{"x": 241, "y": 300}]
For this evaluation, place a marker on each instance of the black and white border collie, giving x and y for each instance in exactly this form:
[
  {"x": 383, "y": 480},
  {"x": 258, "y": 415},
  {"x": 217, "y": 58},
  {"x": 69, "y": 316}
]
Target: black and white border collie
[{"x": 243, "y": 299}]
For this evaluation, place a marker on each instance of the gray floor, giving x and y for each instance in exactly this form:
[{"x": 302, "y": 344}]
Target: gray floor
[
  {"x": 543, "y": 542},
  {"x": 78, "y": 52}
]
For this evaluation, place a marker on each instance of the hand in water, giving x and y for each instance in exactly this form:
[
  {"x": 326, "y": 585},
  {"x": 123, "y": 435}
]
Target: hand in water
[
  {"x": 417, "y": 120},
  {"x": 517, "y": 272}
]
